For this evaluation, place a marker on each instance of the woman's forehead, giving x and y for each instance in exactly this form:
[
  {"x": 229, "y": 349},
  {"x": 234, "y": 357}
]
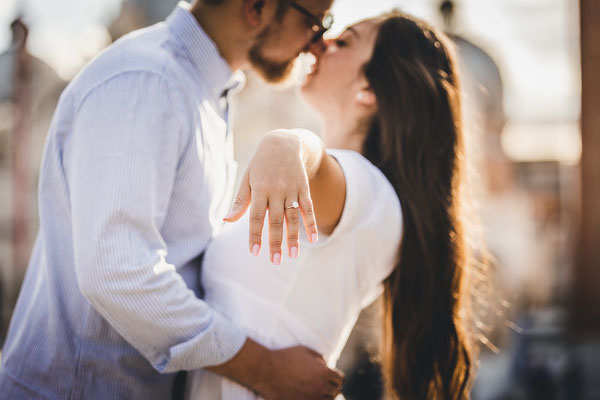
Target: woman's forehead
[{"x": 364, "y": 27}]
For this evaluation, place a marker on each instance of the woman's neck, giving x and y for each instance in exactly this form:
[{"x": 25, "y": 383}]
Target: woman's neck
[{"x": 345, "y": 133}]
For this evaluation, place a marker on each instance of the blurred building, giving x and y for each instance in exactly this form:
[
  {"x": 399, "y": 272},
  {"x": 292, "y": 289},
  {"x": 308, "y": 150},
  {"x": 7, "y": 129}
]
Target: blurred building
[
  {"x": 136, "y": 14},
  {"x": 29, "y": 91},
  {"x": 526, "y": 207}
]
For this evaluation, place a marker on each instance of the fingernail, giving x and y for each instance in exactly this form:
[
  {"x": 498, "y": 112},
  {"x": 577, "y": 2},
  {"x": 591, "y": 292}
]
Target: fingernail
[
  {"x": 229, "y": 215},
  {"x": 276, "y": 258},
  {"x": 255, "y": 250},
  {"x": 314, "y": 238},
  {"x": 294, "y": 252}
]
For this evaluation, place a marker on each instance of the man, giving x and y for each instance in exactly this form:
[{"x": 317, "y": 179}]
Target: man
[{"x": 136, "y": 178}]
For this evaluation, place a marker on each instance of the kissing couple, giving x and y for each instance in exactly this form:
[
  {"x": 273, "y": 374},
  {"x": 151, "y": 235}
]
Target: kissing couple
[{"x": 137, "y": 180}]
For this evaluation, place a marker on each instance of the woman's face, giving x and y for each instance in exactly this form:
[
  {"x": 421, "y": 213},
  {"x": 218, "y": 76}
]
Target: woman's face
[{"x": 336, "y": 76}]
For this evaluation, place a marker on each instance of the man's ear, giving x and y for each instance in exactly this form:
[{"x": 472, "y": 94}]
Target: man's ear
[{"x": 258, "y": 13}]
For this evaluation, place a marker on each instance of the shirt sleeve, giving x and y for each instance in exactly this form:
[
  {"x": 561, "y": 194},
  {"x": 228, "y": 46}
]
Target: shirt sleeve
[
  {"x": 122, "y": 161},
  {"x": 372, "y": 218}
]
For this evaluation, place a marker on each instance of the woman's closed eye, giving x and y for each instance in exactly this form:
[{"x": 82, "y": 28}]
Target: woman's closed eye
[{"x": 341, "y": 43}]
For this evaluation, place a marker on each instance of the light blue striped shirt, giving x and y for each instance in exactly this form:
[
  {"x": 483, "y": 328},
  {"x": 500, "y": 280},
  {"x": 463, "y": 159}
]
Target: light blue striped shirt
[{"x": 138, "y": 164}]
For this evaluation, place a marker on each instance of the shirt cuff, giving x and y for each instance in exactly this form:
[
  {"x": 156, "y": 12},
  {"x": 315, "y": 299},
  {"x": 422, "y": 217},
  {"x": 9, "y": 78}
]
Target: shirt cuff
[{"x": 217, "y": 345}]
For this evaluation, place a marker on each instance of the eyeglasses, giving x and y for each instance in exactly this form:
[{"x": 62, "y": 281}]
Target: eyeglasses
[{"x": 319, "y": 26}]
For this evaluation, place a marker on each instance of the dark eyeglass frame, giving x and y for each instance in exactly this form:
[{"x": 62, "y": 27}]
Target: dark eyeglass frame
[{"x": 319, "y": 26}]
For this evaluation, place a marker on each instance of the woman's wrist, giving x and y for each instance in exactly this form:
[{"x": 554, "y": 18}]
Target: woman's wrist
[
  {"x": 283, "y": 141},
  {"x": 297, "y": 142}
]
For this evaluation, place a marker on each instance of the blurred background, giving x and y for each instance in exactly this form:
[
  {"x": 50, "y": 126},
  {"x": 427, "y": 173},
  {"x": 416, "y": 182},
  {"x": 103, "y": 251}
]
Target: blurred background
[{"x": 536, "y": 158}]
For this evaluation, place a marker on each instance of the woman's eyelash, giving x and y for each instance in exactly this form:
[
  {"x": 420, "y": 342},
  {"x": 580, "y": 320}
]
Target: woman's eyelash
[{"x": 340, "y": 43}]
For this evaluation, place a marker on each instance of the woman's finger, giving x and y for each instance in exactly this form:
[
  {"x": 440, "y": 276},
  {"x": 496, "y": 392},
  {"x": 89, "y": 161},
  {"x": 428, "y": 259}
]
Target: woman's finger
[
  {"x": 258, "y": 209},
  {"x": 276, "y": 216},
  {"x": 291, "y": 221},
  {"x": 308, "y": 215},
  {"x": 242, "y": 201}
]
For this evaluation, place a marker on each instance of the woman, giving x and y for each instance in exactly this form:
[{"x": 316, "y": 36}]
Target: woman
[{"x": 389, "y": 206}]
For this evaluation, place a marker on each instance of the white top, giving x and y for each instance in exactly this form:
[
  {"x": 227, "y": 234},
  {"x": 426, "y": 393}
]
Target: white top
[{"x": 313, "y": 300}]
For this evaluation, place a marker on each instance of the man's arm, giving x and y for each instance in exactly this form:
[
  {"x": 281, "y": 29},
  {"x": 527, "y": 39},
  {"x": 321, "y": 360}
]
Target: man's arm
[
  {"x": 121, "y": 163},
  {"x": 295, "y": 373}
]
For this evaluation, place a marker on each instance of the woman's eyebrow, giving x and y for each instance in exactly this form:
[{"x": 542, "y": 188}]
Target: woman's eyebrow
[{"x": 353, "y": 30}]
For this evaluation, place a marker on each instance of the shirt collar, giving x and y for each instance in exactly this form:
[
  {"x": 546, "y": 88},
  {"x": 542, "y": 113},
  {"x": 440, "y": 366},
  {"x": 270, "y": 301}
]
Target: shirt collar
[{"x": 202, "y": 51}]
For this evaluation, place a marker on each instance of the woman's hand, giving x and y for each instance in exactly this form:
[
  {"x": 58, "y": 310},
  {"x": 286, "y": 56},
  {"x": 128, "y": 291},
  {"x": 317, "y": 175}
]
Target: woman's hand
[{"x": 277, "y": 179}]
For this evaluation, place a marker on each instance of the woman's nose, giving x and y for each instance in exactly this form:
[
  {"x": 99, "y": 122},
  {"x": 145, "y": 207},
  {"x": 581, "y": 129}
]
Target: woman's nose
[{"x": 317, "y": 48}]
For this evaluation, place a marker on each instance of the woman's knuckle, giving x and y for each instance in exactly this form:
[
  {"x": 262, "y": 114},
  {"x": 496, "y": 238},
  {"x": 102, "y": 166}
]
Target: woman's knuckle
[
  {"x": 256, "y": 216},
  {"x": 260, "y": 187},
  {"x": 255, "y": 237},
  {"x": 276, "y": 222}
]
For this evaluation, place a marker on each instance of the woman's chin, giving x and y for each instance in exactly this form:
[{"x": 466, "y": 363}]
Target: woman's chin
[
  {"x": 307, "y": 93},
  {"x": 310, "y": 83}
]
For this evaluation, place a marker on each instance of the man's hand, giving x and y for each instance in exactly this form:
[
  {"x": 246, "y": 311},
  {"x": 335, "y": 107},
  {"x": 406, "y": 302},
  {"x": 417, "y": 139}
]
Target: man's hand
[
  {"x": 277, "y": 179},
  {"x": 295, "y": 373},
  {"x": 300, "y": 373}
]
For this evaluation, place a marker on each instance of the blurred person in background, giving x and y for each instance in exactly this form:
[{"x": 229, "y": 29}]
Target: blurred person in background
[
  {"x": 388, "y": 195},
  {"x": 139, "y": 162}
]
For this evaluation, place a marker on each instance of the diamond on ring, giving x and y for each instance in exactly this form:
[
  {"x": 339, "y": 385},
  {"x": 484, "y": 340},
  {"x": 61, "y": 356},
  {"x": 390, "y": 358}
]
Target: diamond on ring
[{"x": 293, "y": 205}]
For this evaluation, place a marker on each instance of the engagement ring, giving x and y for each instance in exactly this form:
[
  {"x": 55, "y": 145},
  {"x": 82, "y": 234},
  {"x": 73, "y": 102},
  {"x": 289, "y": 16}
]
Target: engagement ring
[{"x": 294, "y": 205}]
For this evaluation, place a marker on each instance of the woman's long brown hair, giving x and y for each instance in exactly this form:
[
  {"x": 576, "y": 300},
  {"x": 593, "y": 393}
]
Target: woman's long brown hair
[{"x": 416, "y": 140}]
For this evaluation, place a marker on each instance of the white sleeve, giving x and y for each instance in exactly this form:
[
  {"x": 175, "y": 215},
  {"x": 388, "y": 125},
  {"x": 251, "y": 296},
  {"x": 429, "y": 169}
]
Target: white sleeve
[{"x": 372, "y": 216}]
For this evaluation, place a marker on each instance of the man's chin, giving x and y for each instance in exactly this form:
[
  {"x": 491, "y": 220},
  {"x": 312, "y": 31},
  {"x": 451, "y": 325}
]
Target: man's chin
[
  {"x": 271, "y": 71},
  {"x": 274, "y": 74}
]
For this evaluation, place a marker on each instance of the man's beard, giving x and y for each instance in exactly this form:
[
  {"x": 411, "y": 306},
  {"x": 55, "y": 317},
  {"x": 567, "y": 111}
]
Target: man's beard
[{"x": 271, "y": 71}]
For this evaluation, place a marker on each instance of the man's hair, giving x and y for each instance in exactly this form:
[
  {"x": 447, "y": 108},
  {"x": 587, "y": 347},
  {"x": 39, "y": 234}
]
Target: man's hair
[{"x": 282, "y": 5}]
